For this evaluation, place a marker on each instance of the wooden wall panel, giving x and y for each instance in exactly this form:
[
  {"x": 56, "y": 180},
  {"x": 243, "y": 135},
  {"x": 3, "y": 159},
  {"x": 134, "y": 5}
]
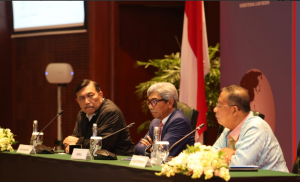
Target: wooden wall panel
[
  {"x": 35, "y": 98},
  {"x": 6, "y": 76},
  {"x": 146, "y": 32}
]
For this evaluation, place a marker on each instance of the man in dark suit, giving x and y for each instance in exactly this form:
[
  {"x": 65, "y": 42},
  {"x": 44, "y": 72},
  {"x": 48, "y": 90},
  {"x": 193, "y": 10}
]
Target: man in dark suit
[{"x": 173, "y": 124}]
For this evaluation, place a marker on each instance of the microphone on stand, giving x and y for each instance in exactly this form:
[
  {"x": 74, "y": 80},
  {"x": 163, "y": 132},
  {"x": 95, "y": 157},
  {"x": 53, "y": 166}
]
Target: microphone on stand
[
  {"x": 58, "y": 114},
  {"x": 128, "y": 126},
  {"x": 104, "y": 154},
  {"x": 198, "y": 128}
]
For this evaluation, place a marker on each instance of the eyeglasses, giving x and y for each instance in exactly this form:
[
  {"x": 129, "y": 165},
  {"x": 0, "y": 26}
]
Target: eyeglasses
[
  {"x": 220, "y": 106},
  {"x": 154, "y": 102}
]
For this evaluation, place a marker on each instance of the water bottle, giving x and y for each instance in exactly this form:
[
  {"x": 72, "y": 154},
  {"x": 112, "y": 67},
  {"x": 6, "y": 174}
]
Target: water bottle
[
  {"x": 154, "y": 146},
  {"x": 35, "y": 126},
  {"x": 34, "y": 131},
  {"x": 94, "y": 129},
  {"x": 95, "y": 142}
]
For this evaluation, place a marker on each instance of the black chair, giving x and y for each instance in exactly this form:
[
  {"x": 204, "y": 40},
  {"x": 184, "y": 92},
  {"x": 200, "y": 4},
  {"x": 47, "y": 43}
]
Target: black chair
[
  {"x": 296, "y": 167},
  {"x": 255, "y": 113},
  {"x": 189, "y": 112}
]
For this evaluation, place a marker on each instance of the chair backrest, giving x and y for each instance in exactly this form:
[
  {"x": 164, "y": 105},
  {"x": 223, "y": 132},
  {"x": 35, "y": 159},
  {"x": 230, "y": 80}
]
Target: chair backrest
[
  {"x": 255, "y": 113},
  {"x": 296, "y": 167},
  {"x": 189, "y": 112}
]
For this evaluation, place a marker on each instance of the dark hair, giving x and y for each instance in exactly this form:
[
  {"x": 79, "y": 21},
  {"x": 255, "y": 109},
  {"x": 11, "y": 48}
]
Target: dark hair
[
  {"x": 238, "y": 96},
  {"x": 85, "y": 83}
]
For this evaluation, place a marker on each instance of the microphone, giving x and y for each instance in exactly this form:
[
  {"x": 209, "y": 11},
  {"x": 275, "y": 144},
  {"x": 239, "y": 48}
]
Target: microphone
[
  {"x": 58, "y": 114},
  {"x": 128, "y": 126},
  {"x": 198, "y": 128},
  {"x": 103, "y": 154}
]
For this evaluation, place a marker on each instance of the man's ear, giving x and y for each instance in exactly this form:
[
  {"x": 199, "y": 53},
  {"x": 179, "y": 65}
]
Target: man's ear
[
  {"x": 101, "y": 93},
  {"x": 77, "y": 100},
  {"x": 235, "y": 110},
  {"x": 171, "y": 102}
]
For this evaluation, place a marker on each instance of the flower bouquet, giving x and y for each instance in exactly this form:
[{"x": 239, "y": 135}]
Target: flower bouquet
[
  {"x": 195, "y": 161},
  {"x": 6, "y": 139}
]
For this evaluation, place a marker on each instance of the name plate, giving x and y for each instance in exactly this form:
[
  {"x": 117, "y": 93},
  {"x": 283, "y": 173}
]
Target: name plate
[
  {"x": 81, "y": 154},
  {"x": 140, "y": 161},
  {"x": 26, "y": 149}
]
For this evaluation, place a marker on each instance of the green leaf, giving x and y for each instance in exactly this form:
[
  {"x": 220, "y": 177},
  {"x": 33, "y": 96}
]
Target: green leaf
[{"x": 168, "y": 70}]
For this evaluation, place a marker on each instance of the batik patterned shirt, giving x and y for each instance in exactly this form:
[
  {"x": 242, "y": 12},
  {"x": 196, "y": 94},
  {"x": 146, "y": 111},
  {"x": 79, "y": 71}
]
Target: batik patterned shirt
[{"x": 257, "y": 145}]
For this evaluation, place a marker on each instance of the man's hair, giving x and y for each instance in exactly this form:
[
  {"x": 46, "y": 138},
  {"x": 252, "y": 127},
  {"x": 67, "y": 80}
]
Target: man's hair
[
  {"x": 238, "y": 96},
  {"x": 85, "y": 83},
  {"x": 166, "y": 90}
]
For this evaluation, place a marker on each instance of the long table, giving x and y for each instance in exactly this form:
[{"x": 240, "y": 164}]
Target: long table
[{"x": 60, "y": 167}]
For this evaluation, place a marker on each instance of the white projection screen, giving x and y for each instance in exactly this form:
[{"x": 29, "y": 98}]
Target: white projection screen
[{"x": 47, "y": 15}]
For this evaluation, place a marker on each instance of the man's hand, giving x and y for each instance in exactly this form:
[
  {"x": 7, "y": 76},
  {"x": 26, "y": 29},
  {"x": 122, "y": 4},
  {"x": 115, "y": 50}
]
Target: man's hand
[
  {"x": 70, "y": 140},
  {"x": 147, "y": 142},
  {"x": 228, "y": 152}
]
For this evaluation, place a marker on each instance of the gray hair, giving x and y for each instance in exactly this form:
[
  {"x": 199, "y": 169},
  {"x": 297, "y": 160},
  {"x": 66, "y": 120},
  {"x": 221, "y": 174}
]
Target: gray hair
[
  {"x": 166, "y": 90},
  {"x": 238, "y": 96}
]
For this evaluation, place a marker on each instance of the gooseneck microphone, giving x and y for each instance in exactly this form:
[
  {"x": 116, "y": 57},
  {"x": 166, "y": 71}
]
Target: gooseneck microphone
[
  {"x": 58, "y": 114},
  {"x": 128, "y": 126},
  {"x": 166, "y": 157},
  {"x": 198, "y": 128}
]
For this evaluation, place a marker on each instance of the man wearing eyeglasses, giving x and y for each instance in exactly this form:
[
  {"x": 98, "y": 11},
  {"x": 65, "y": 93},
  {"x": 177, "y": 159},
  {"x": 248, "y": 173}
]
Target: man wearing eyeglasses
[
  {"x": 172, "y": 123},
  {"x": 246, "y": 139},
  {"x": 109, "y": 118}
]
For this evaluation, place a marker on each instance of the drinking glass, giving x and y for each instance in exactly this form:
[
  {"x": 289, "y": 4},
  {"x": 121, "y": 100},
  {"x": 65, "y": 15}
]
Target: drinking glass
[{"x": 162, "y": 151}]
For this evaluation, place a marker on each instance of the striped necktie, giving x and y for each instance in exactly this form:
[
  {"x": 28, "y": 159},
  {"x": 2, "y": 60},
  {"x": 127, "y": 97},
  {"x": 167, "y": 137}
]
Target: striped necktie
[{"x": 159, "y": 128}]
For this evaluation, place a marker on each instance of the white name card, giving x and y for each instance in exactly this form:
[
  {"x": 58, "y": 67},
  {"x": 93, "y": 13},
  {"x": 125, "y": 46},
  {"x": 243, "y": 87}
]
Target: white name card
[
  {"x": 81, "y": 154},
  {"x": 140, "y": 161},
  {"x": 26, "y": 149}
]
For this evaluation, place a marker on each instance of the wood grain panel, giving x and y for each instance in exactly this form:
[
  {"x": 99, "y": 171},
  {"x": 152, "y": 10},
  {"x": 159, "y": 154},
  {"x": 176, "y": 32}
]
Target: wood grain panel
[
  {"x": 6, "y": 76},
  {"x": 35, "y": 98},
  {"x": 146, "y": 32}
]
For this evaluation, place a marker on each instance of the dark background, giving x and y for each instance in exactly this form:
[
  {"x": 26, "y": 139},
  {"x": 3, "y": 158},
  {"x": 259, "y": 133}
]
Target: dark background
[{"x": 118, "y": 34}]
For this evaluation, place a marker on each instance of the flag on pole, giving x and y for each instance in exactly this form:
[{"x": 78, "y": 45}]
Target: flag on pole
[{"x": 194, "y": 62}]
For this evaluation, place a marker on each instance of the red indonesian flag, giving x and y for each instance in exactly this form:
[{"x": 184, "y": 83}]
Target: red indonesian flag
[{"x": 194, "y": 62}]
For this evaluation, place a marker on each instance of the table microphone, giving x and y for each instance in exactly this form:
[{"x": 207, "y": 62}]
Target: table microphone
[
  {"x": 58, "y": 114},
  {"x": 128, "y": 126},
  {"x": 199, "y": 127},
  {"x": 103, "y": 154}
]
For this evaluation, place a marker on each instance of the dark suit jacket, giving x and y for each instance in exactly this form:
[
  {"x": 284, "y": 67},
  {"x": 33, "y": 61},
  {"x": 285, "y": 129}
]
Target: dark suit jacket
[
  {"x": 176, "y": 127},
  {"x": 109, "y": 119}
]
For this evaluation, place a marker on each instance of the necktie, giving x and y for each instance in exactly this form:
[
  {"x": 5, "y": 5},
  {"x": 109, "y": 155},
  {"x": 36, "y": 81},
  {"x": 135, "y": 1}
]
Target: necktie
[
  {"x": 159, "y": 128},
  {"x": 231, "y": 143}
]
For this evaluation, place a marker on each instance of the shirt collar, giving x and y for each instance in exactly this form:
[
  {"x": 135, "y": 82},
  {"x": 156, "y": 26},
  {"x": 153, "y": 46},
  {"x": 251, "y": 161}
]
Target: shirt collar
[
  {"x": 166, "y": 118},
  {"x": 236, "y": 131},
  {"x": 90, "y": 116}
]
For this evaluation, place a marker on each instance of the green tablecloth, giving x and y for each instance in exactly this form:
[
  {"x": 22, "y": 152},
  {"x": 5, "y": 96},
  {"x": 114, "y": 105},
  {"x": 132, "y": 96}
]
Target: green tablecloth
[{"x": 111, "y": 166}]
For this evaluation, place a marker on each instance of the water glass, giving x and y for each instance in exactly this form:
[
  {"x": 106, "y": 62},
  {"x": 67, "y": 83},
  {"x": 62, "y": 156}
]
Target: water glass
[{"x": 162, "y": 151}]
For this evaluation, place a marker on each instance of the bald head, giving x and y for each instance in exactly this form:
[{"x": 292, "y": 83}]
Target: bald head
[{"x": 238, "y": 96}]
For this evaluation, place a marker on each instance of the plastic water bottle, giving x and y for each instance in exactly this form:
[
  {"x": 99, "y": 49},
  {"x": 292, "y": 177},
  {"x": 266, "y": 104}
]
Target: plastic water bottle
[
  {"x": 34, "y": 131},
  {"x": 154, "y": 146},
  {"x": 35, "y": 126},
  {"x": 95, "y": 129}
]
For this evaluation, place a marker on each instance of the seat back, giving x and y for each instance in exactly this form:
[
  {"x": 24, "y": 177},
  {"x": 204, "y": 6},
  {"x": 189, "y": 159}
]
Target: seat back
[
  {"x": 255, "y": 113},
  {"x": 189, "y": 112},
  {"x": 296, "y": 167}
]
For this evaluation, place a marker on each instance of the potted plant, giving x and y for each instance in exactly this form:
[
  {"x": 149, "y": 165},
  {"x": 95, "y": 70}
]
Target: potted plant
[{"x": 169, "y": 71}]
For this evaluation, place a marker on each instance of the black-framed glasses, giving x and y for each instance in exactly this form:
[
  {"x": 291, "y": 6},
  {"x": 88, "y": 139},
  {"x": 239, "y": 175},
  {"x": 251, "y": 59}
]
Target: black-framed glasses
[{"x": 154, "y": 102}]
